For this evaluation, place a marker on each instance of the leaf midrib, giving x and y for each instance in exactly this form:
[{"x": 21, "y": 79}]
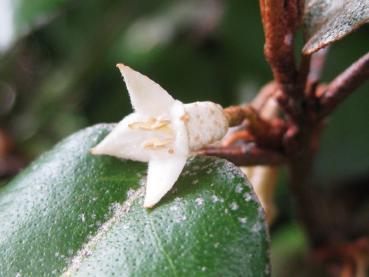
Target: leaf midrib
[{"x": 89, "y": 245}]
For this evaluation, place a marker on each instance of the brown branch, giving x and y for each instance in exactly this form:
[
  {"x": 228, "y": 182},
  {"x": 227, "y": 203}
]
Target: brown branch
[
  {"x": 238, "y": 114},
  {"x": 344, "y": 85},
  {"x": 280, "y": 21},
  {"x": 245, "y": 155},
  {"x": 235, "y": 115},
  {"x": 267, "y": 133}
]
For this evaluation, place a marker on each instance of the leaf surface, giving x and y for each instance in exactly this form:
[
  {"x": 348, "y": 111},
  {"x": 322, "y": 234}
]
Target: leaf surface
[
  {"x": 327, "y": 21},
  {"x": 76, "y": 214}
]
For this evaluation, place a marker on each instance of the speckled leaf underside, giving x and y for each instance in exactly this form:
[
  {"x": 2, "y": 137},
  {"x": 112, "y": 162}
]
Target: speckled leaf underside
[
  {"x": 76, "y": 214},
  {"x": 327, "y": 21}
]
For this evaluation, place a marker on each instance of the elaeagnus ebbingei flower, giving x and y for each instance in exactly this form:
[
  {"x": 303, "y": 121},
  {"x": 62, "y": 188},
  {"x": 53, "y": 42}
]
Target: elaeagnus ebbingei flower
[{"x": 161, "y": 131}]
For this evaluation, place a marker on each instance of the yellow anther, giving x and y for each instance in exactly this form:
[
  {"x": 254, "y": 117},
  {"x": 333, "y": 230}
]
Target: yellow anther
[
  {"x": 151, "y": 124},
  {"x": 155, "y": 143}
]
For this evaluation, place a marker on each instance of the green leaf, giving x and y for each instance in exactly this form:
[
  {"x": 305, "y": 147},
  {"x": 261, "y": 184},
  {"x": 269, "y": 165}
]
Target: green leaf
[
  {"x": 327, "y": 21},
  {"x": 19, "y": 17},
  {"x": 82, "y": 215}
]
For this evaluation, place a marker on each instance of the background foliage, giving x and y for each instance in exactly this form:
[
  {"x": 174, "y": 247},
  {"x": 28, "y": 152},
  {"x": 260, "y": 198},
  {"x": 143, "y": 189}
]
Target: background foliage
[{"x": 57, "y": 74}]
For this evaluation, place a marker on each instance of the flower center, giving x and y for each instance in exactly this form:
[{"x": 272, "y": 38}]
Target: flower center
[{"x": 161, "y": 127}]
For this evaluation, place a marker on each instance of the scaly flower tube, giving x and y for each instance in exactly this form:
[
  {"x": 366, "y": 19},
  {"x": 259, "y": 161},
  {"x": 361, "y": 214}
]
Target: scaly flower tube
[{"x": 161, "y": 131}]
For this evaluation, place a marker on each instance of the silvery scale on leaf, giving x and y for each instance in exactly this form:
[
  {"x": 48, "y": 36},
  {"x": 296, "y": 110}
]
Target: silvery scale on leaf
[{"x": 161, "y": 131}]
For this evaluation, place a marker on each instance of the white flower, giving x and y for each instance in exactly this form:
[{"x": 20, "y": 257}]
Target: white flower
[{"x": 161, "y": 131}]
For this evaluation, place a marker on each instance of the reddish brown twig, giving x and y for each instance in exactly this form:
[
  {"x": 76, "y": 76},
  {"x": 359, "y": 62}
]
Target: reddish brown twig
[
  {"x": 235, "y": 115},
  {"x": 245, "y": 155},
  {"x": 267, "y": 133},
  {"x": 280, "y": 21},
  {"x": 344, "y": 85}
]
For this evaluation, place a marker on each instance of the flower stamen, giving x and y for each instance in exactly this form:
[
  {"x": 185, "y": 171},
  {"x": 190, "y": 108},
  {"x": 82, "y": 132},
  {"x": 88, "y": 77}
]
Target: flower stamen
[
  {"x": 151, "y": 124},
  {"x": 155, "y": 143}
]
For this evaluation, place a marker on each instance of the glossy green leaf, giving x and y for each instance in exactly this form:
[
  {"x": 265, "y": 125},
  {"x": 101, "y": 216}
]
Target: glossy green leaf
[
  {"x": 327, "y": 21},
  {"x": 81, "y": 215},
  {"x": 19, "y": 17}
]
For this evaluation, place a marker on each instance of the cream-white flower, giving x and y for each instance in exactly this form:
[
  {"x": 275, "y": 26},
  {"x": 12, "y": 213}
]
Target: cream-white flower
[{"x": 161, "y": 131}]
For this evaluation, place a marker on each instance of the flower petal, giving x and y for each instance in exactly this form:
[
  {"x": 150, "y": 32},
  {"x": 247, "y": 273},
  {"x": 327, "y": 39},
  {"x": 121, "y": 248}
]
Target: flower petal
[
  {"x": 177, "y": 113},
  {"x": 162, "y": 174},
  {"x": 147, "y": 97},
  {"x": 131, "y": 139}
]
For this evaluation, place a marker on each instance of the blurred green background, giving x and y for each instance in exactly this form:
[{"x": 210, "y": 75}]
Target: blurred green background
[{"x": 58, "y": 75}]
